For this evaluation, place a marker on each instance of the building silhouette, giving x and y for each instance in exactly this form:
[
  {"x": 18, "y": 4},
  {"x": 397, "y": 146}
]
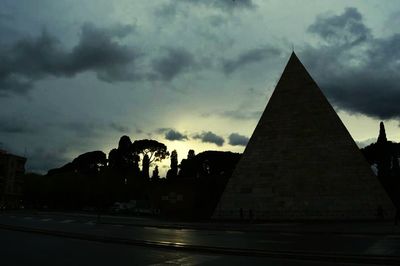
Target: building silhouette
[
  {"x": 301, "y": 162},
  {"x": 12, "y": 169}
]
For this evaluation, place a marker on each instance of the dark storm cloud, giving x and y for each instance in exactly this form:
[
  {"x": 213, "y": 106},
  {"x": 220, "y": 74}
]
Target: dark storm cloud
[
  {"x": 210, "y": 137},
  {"x": 238, "y": 140},
  {"x": 43, "y": 159},
  {"x": 175, "y": 135},
  {"x": 89, "y": 129},
  {"x": 13, "y": 125},
  {"x": 81, "y": 128},
  {"x": 223, "y": 4},
  {"x": 357, "y": 71},
  {"x": 98, "y": 50},
  {"x": 242, "y": 114},
  {"x": 347, "y": 28},
  {"x": 176, "y": 61},
  {"x": 249, "y": 57},
  {"x": 172, "y": 134},
  {"x": 167, "y": 11},
  {"x": 40, "y": 159},
  {"x": 12, "y": 84},
  {"x": 119, "y": 128}
]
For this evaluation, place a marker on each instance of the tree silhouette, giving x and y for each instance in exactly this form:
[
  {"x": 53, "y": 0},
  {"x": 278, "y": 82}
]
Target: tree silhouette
[
  {"x": 155, "y": 175},
  {"x": 382, "y": 134},
  {"x": 154, "y": 150},
  {"x": 90, "y": 162},
  {"x": 191, "y": 154},
  {"x": 384, "y": 153},
  {"x": 145, "y": 166},
  {"x": 173, "y": 172},
  {"x": 188, "y": 165},
  {"x": 124, "y": 144},
  {"x": 113, "y": 159}
]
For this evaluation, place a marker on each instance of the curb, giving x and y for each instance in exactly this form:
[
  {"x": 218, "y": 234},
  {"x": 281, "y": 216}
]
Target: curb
[
  {"x": 308, "y": 256},
  {"x": 249, "y": 230},
  {"x": 238, "y": 227},
  {"x": 222, "y": 226}
]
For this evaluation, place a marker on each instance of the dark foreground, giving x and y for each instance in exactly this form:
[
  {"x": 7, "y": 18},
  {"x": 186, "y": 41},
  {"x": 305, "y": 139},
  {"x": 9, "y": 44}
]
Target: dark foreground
[{"x": 66, "y": 239}]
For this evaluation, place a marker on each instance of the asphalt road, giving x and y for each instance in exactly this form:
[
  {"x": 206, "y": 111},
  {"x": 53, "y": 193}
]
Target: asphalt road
[
  {"x": 217, "y": 247},
  {"x": 22, "y": 249}
]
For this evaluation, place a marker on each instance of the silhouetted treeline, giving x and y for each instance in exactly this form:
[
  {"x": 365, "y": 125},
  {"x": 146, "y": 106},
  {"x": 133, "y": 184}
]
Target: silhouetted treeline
[
  {"x": 384, "y": 156},
  {"x": 91, "y": 181},
  {"x": 207, "y": 174},
  {"x": 192, "y": 188}
]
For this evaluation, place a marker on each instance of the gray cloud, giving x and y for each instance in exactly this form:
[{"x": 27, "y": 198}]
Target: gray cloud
[
  {"x": 347, "y": 28},
  {"x": 172, "y": 134},
  {"x": 239, "y": 114},
  {"x": 357, "y": 71},
  {"x": 167, "y": 11},
  {"x": 175, "y": 135},
  {"x": 90, "y": 129},
  {"x": 13, "y": 125},
  {"x": 242, "y": 114},
  {"x": 223, "y": 4},
  {"x": 238, "y": 140},
  {"x": 82, "y": 129},
  {"x": 40, "y": 160},
  {"x": 10, "y": 83},
  {"x": 98, "y": 50},
  {"x": 176, "y": 61},
  {"x": 210, "y": 137},
  {"x": 119, "y": 128},
  {"x": 249, "y": 57}
]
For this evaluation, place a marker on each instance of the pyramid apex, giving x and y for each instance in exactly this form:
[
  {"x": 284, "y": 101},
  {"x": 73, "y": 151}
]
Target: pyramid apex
[
  {"x": 294, "y": 58},
  {"x": 295, "y": 70}
]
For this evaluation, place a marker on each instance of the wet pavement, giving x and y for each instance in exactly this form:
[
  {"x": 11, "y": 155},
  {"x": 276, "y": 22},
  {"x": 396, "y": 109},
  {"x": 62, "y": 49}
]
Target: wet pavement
[{"x": 204, "y": 241}]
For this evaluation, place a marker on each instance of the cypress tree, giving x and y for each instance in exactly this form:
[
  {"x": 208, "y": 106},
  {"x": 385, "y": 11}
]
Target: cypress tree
[
  {"x": 145, "y": 166},
  {"x": 382, "y": 134},
  {"x": 384, "y": 156},
  {"x": 174, "y": 163}
]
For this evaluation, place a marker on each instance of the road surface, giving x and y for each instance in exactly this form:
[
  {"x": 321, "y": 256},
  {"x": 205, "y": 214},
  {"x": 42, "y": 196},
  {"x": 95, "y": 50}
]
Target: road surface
[{"x": 43, "y": 239}]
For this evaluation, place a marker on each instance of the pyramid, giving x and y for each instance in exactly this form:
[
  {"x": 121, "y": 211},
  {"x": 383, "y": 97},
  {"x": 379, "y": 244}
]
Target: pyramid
[{"x": 301, "y": 162}]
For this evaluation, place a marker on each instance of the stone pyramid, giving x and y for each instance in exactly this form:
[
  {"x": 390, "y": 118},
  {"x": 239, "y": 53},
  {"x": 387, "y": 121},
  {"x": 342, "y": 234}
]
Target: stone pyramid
[{"x": 301, "y": 162}]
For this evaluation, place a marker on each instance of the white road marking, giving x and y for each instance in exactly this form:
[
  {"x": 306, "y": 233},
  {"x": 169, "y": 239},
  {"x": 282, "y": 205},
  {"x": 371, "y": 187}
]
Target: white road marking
[
  {"x": 290, "y": 234},
  {"x": 28, "y": 218},
  {"x": 90, "y": 223},
  {"x": 188, "y": 260},
  {"x": 46, "y": 219},
  {"x": 357, "y": 235},
  {"x": 188, "y": 230},
  {"x": 274, "y": 241},
  {"x": 234, "y": 232},
  {"x": 67, "y": 221}
]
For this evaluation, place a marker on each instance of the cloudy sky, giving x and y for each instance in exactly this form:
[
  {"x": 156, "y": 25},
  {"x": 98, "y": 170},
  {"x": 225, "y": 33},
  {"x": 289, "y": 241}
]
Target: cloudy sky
[{"x": 75, "y": 75}]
